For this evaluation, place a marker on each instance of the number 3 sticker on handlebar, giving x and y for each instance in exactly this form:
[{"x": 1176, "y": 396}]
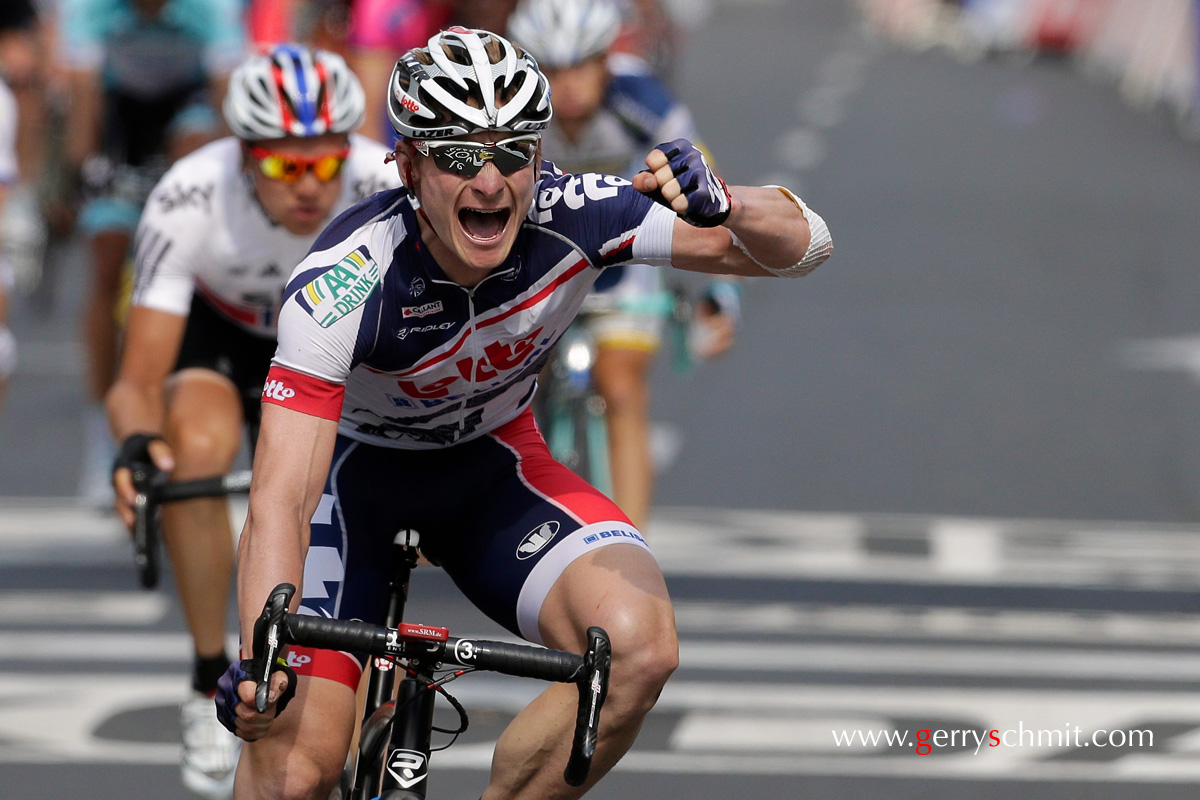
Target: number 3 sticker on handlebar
[{"x": 465, "y": 651}]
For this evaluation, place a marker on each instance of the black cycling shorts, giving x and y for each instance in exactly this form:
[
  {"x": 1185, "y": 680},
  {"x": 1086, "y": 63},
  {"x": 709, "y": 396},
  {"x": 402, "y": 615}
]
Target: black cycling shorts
[
  {"x": 213, "y": 342},
  {"x": 17, "y": 15}
]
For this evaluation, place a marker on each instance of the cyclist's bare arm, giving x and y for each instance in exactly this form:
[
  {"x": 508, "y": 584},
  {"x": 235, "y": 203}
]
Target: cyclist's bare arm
[
  {"x": 290, "y": 464},
  {"x": 768, "y": 222},
  {"x": 136, "y": 401}
]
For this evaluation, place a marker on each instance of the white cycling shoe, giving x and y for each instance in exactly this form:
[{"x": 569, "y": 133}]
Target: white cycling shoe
[{"x": 210, "y": 752}]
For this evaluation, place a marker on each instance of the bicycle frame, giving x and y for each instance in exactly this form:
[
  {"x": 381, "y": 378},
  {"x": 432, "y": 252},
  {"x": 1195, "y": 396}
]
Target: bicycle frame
[
  {"x": 409, "y": 743},
  {"x": 399, "y": 770}
]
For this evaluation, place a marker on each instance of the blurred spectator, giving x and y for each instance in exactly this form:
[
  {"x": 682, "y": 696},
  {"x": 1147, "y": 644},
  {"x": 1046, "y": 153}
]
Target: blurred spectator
[
  {"x": 145, "y": 78},
  {"x": 609, "y": 111},
  {"x": 1148, "y": 49},
  {"x": 380, "y": 32},
  {"x": 23, "y": 49}
]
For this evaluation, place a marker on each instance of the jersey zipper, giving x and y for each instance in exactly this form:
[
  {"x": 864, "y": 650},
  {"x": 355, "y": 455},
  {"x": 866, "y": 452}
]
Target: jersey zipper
[{"x": 474, "y": 349}]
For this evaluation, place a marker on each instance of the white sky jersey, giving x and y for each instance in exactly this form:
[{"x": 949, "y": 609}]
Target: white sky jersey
[
  {"x": 424, "y": 362},
  {"x": 203, "y": 230},
  {"x": 638, "y": 113}
]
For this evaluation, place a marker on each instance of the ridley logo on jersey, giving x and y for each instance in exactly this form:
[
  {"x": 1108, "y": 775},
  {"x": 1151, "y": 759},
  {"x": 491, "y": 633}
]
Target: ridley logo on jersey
[
  {"x": 276, "y": 390},
  {"x": 340, "y": 289},
  {"x": 442, "y": 326}
]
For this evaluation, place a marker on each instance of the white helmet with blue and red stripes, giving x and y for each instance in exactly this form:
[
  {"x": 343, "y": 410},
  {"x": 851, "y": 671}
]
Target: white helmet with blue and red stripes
[{"x": 293, "y": 90}]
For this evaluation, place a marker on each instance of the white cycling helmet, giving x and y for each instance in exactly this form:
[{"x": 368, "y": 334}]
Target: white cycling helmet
[
  {"x": 292, "y": 90},
  {"x": 563, "y": 33},
  {"x": 465, "y": 81}
]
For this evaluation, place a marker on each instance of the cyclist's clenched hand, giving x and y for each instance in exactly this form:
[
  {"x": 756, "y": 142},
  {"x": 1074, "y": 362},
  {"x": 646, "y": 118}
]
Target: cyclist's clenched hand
[
  {"x": 235, "y": 698},
  {"x": 140, "y": 448},
  {"x": 680, "y": 178}
]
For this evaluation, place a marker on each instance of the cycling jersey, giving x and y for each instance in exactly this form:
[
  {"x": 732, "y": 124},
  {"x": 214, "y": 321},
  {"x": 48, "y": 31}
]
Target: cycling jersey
[
  {"x": 203, "y": 231},
  {"x": 421, "y": 362}
]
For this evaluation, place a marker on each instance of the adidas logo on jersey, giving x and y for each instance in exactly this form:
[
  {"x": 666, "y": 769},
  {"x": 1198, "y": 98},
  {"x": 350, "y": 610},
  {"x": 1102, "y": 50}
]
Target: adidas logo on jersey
[{"x": 275, "y": 390}]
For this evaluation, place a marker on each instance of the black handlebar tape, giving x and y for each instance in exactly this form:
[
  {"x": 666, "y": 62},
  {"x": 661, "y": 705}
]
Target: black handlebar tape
[
  {"x": 233, "y": 483},
  {"x": 339, "y": 634},
  {"x": 519, "y": 660}
]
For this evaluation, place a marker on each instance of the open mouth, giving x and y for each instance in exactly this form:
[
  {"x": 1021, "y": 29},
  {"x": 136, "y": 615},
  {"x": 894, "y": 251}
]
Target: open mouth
[{"x": 484, "y": 224}]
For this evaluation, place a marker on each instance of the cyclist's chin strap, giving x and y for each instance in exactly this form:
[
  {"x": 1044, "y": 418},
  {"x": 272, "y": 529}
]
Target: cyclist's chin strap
[{"x": 820, "y": 243}]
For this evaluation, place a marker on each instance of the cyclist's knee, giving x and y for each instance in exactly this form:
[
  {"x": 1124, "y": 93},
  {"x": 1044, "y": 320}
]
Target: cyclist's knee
[
  {"x": 203, "y": 425},
  {"x": 645, "y": 654},
  {"x": 624, "y": 390},
  {"x": 291, "y": 776}
]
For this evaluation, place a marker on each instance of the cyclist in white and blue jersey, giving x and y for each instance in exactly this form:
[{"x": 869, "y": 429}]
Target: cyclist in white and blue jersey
[
  {"x": 217, "y": 240},
  {"x": 410, "y": 339},
  {"x": 146, "y": 79},
  {"x": 609, "y": 110}
]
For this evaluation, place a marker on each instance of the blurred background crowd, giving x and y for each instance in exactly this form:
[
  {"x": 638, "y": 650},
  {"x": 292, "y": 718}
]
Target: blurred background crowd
[{"x": 1146, "y": 49}]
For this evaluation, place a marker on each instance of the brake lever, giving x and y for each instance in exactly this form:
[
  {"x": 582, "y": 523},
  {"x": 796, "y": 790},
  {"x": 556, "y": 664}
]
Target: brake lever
[
  {"x": 267, "y": 638},
  {"x": 147, "y": 482},
  {"x": 593, "y": 690}
]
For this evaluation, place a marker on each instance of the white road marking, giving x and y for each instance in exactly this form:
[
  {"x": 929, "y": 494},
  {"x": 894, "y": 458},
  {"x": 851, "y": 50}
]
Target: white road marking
[
  {"x": 75, "y": 608},
  {"x": 1180, "y": 354},
  {"x": 901, "y": 622}
]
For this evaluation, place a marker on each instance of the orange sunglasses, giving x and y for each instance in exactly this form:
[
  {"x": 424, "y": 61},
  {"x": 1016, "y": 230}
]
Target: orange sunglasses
[{"x": 289, "y": 169}]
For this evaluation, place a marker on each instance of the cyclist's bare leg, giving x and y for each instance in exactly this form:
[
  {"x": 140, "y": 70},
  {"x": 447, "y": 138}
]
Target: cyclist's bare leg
[
  {"x": 620, "y": 588},
  {"x": 109, "y": 249},
  {"x": 204, "y": 429},
  {"x": 303, "y": 754},
  {"x": 621, "y": 375}
]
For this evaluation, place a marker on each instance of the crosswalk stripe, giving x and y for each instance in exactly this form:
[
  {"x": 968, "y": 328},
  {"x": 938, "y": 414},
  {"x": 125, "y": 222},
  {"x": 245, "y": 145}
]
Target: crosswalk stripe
[
  {"x": 774, "y": 544},
  {"x": 97, "y": 608}
]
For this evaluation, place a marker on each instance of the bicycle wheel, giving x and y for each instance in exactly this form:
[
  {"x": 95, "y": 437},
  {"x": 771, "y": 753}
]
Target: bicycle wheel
[{"x": 372, "y": 753}]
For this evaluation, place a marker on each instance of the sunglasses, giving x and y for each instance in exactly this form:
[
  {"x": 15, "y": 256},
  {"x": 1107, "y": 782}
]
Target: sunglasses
[
  {"x": 465, "y": 159},
  {"x": 289, "y": 169}
]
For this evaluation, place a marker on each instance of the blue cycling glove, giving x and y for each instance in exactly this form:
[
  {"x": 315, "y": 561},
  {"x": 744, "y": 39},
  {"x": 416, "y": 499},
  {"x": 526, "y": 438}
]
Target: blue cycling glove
[
  {"x": 248, "y": 669},
  {"x": 708, "y": 198}
]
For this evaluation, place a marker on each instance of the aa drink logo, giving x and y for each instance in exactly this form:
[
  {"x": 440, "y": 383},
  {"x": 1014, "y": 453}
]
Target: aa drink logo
[{"x": 340, "y": 289}]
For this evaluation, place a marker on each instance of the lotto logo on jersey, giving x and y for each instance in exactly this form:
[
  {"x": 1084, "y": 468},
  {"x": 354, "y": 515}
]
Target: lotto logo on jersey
[
  {"x": 276, "y": 390},
  {"x": 340, "y": 289}
]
